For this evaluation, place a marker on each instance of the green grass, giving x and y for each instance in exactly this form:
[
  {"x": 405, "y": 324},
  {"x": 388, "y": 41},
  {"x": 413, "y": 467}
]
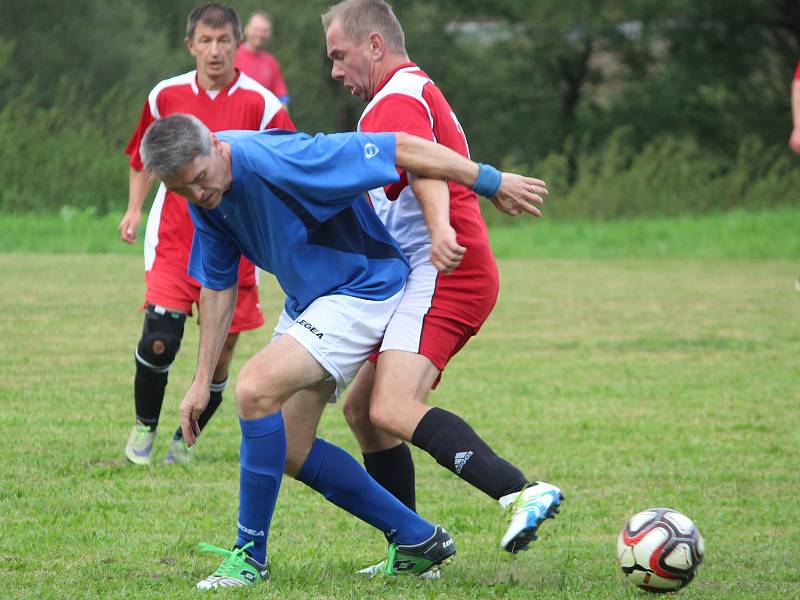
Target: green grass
[
  {"x": 736, "y": 234},
  {"x": 630, "y": 383}
]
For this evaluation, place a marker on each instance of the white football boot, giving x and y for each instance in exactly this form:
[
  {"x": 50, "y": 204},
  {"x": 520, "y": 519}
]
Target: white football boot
[
  {"x": 140, "y": 444},
  {"x": 527, "y": 510}
]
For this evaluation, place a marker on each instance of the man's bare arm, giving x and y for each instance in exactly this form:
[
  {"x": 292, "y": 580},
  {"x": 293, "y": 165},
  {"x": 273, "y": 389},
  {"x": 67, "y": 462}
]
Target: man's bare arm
[
  {"x": 139, "y": 183},
  {"x": 794, "y": 140},
  {"x": 434, "y": 199},
  {"x": 216, "y": 312},
  {"x": 516, "y": 193}
]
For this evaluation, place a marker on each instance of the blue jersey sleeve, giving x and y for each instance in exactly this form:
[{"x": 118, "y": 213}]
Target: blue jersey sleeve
[
  {"x": 214, "y": 260},
  {"x": 327, "y": 172}
]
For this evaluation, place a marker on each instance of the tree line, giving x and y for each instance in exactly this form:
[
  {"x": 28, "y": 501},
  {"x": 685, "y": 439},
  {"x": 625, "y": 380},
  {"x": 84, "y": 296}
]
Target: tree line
[{"x": 608, "y": 99}]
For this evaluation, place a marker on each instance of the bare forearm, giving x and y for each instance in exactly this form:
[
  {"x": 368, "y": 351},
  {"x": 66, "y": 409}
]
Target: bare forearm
[
  {"x": 139, "y": 183},
  {"x": 796, "y": 102},
  {"x": 434, "y": 199},
  {"x": 427, "y": 159},
  {"x": 216, "y": 312}
]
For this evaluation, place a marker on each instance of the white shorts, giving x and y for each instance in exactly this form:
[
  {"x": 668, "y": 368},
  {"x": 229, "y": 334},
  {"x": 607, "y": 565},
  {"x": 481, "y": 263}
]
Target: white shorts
[{"x": 340, "y": 332}]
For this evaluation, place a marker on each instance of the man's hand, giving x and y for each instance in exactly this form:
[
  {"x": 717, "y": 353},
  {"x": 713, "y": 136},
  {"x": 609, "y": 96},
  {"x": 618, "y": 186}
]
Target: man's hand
[
  {"x": 794, "y": 140},
  {"x": 446, "y": 252},
  {"x": 520, "y": 194},
  {"x": 128, "y": 225},
  {"x": 192, "y": 406}
]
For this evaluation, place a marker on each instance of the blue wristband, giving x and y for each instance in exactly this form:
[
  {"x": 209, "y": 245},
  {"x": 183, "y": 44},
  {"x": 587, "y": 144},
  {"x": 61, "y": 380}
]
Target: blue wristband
[{"x": 488, "y": 182}]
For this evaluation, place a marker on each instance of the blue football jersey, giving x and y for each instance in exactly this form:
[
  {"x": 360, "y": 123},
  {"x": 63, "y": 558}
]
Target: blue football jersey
[{"x": 297, "y": 208}]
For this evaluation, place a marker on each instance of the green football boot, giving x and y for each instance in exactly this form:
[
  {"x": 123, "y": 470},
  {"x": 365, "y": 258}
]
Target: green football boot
[
  {"x": 179, "y": 453},
  {"x": 423, "y": 559},
  {"x": 237, "y": 570}
]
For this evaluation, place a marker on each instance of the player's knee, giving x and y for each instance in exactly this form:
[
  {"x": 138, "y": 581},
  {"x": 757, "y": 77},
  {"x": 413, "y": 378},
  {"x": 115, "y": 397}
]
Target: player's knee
[
  {"x": 356, "y": 414},
  {"x": 161, "y": 339},
  {"x": 252, "y": 398}
]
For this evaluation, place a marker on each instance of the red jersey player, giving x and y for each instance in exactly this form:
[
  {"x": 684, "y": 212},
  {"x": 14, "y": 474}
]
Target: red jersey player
[
  {"x": 438, "y": 314},
  {"x": 222, "y": 98},
  {"x": 252, "y": 57}
]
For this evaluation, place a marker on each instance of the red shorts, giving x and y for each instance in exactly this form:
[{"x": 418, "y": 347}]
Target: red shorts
[{"x": 179, "y": 292}]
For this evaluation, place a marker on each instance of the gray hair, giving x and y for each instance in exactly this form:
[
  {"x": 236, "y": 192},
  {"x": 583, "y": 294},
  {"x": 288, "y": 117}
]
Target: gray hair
[
  {"x": 359, "y": 18},
  {"x": 215, "y": 16},
  {"x": 173, "y": 142}
]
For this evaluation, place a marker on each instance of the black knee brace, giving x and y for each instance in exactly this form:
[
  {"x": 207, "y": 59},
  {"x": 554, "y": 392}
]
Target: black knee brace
[{"x": 161, "y": 338}]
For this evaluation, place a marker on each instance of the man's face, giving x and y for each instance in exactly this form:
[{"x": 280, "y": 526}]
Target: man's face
[
  {"x": 214, "y": 50},
  {"x": 352, "y": 63},
  {"x": 202, "y": 181},
  {"x": 258, "y": 32}
]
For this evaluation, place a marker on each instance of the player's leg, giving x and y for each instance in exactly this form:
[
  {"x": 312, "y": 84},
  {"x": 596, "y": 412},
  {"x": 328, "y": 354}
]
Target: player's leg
[
  {"x": 339, "y": 477},
  {"x": 265, "y": 382},
  {"x": 397, "y": 407},
  {"x": 419, "y": 546},
  {"x": 386, "y": 457},
  {"x": 158, "y": 345}
]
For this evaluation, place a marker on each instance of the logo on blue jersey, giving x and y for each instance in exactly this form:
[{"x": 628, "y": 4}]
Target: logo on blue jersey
[{"x": 370, "y": 150}]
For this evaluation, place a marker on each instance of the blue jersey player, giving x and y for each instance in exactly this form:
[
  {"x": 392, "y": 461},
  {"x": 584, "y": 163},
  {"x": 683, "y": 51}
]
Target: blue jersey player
[{"x": 295, "y": 206}]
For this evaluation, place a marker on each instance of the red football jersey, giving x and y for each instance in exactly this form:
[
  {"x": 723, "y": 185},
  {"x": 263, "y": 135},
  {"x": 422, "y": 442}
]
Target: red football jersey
[
  {"x": 410, "y": 102},
  {"x": 797, "y": 72},
  {"x": 243, "y": 104}
]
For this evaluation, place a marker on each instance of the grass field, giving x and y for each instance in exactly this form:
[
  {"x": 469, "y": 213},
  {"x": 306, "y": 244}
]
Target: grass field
[
  {"x": 736, "y": 234},
  {"x": 628, "y": 382}
]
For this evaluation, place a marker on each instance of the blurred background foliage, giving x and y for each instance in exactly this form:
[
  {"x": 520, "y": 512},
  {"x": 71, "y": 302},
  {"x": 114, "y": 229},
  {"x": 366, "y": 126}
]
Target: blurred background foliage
[{"x": 625, "y": 107}]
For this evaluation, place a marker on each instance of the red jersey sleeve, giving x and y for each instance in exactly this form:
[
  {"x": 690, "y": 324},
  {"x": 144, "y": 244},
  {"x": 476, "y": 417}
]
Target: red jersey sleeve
[
  {"x": 281, "y": 120},
  {"x": 797, "y": 72},
  {"x": 395, "y": 113},
  {"x": 132, "y": 149}
]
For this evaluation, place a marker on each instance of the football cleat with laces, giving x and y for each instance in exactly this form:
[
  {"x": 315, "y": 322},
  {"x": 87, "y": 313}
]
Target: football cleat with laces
[
  {"x": 527, "y": 510},
  {"x": 237, "y": 570},
  {"x": 423, "y": 559}
]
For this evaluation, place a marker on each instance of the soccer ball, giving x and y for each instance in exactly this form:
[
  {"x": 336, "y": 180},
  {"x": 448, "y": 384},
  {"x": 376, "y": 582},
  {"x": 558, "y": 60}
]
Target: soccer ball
[{"x": 659, "y": 550}]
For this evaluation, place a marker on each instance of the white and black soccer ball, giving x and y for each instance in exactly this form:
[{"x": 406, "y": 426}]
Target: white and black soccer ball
[{"x": 660, "y": 549}]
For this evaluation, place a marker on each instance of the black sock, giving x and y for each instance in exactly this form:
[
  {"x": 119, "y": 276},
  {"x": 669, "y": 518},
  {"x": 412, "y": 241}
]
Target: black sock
[
  {"x": 148, "y": 393},
  {"x": 394, "y": 470},
  {"x": 214, "y": 401},
  {"x": 456, "y": 446}
]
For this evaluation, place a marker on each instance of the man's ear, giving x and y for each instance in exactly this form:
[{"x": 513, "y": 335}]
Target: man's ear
[{"x": 378, "y": 45}]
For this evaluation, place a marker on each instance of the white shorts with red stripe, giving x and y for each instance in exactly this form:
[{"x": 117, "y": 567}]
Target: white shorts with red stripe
[{"x": 418, "y": 326}]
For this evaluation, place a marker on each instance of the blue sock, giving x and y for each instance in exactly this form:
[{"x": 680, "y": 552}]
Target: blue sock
[
  {"x": 261, "y": 462},
  {"x": 336, "y": 475}
]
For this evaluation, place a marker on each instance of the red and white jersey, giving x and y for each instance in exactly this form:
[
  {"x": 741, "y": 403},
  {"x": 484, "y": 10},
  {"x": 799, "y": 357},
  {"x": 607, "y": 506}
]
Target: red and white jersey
[
  {"x": 410, "y": 102},
  {"x": 243, "y": 104}
]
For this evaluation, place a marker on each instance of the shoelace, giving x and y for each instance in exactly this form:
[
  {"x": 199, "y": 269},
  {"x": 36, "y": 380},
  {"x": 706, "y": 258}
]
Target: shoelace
[
  {"x": 143, "y": 435},
  {"x": 388, "y": 567},
  {"x": 517, "y": 504},
  {"x": 233, "y": 558}
]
